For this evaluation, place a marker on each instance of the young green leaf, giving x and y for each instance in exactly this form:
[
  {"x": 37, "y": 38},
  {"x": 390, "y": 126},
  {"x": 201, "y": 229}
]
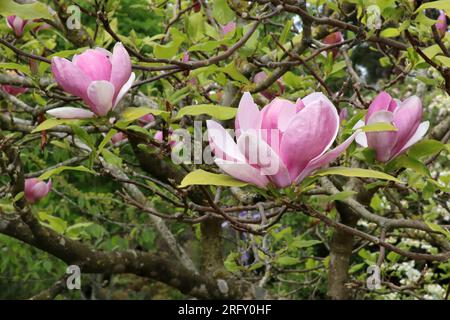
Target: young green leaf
[{"x": 201, "y": 177}]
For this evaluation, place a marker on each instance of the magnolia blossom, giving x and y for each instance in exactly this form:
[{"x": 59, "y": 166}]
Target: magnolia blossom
[
  {"x": 333, "y": 38},
  {"x": 17, "y": 24},
  {"x": 36, "y": 189},
  {"x": 98, "y": 77},
  {"x": 13, "y": 90},
  {"x": 281, "y": 144},
  {"x": 159, "y": 136},
  {"x": 229, "y": 27},
  {"x": 269, "y": 93},
  {"x": 404, "y": 115},
  {"x": 343, "y": 115},
  {"x": 441, "y": 25}
]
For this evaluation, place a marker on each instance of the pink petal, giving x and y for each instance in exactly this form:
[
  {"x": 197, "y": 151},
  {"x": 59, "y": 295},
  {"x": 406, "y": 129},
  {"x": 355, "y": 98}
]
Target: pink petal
[
  {"x": 407, "y": 118},
  {"x": 382, "y": 141},
  {"x": 259, "y": 154},
  {"x": 94, "y": 63},
  {"x": 248, "y": 115},
  {"x": 71, "y": 78},
  {"x": 222, "y": 143},
  {"x": 310, "y": 134},
  {"x": 101, "y": 94},
  {"x": 417, "y": 136},
  {"x": 383, "y": 101},
  {"x": 70, "y": 113},
  {"x": 360, "y": 138},
  {"x": 124, "y": 89},
  {"x": 243, "y": 171},
  {"x": 121, "y": 67},
  {"x": 326, "y": 158}
]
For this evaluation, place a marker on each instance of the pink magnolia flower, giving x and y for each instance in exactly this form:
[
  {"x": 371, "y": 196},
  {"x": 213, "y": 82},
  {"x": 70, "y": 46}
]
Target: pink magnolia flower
[
  {"x": 160, "y": 137},
  {"x": 17, "y": 24},
  {"x": 269, "y": 93},
  {"x": 98, "y": 77},
  {"x": 441, "y": 25},
  {"x": 332, "y": 38},
  {"x": 229, "y": 27},
  {"x": 405, "y": 116},
  {"x": 343, "y": 115},
  {"x": 36, "y": 189},
  {"x": 13, "y": 90},
  {"x": 146, "y": 119},
  {"x": 281, "y": 144}
]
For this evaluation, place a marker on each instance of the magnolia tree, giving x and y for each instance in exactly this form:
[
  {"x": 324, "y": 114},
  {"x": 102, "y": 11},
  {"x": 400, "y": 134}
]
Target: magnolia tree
[{"x": 265, "y": 149}]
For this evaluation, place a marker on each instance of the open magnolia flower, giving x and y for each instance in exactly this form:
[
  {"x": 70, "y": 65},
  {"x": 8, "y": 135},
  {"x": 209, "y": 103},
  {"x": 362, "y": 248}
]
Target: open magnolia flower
[
  {"x": 281, "y": 144},
  {"x": 36, "y": 189},
  {"x": 405, "y": 116},
  {"x": 98, "y": 77}
]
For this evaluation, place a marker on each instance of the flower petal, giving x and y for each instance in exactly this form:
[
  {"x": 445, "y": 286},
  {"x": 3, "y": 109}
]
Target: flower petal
[
  {"x": 70, "y": 113},
  {"x": 248, "y": 115},
  {"x": 94, "y": 63},
  {"x": 258, "y": 153},
  {"x": 101, "y": 94},
  {"x": 121, "y": 67},
  {"x": 383, "y": 101},
  {"x": 222, "y": 143},
  {"x": 381, "y": 141},
  {"x": 407, "y": 118},
  {"x": 124, "y": 89},
  {"x": 243, "y": 171},
  {"x": 326, "y": 158},
  {"x": 360, "y": 138},
  {"x": 417, "y": 136},
  {"x": 71, "y": 78},
  {"x": 310, "y": 134}
]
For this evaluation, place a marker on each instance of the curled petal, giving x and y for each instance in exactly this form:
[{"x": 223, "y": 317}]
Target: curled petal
[
  {"x": 101, "y": 94},
  {"x": 407, "y": 118},
  {"x": 417, "y": 136},
  {"x": 360, "y": 138},
  {"x": 326, "y": 158},
  {"x": 243, "y": 171},
  {"x": 121, "y": 67},
  {"x": 383, "y": 141},
  {"x": 248, "y": 115},
  {"x": 309, "y": 135},
  {"x": 383, "y": 101},
  {"x": 70, "y": 113},
  {"x": 222, "y": 143},
  {"x": 124, "y": 89},
  {"x": 259, "y": 154},
  {"x": 71, "y": 78},
  {"x": 94, "y": 63}
]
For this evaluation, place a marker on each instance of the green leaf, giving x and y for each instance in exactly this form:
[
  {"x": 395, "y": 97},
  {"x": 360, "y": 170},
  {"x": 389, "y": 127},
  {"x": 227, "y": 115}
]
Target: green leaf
[
  {"x": 83, "y": 135},
  {"x": 442, "y": 4},
  {"x": 218, "y": 112},
  {"x": 299, "y": 243},
  {"x": 111, "y": 158},
  {"x": 132, "y": 113},
  {"x": 340, "y": 196},
  {"x": 438, "y": 228},
  {"x": 35, "y": 10},
  {"x": 49, "y": 123},
  {"x": 58, "y": 170},
  {"x": 425, "y": 148},
  {"x": 106, "y": 139},
  {"x": 378, "y": 126},
  {"x": 234, "y": 73},
  {"x": 222, "y": 12},
  {"x": 16, "y": 66},
  {"x": 201, "y": 177},
  {"x": 356, "y": 172},
  {"x": 57, "y": 224},
  {"x": 286, "y": 261},
  {"x": 444, "y": 60},
  {"x": 390, "y": 33},
  {"x": 404, "y": 161}
]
